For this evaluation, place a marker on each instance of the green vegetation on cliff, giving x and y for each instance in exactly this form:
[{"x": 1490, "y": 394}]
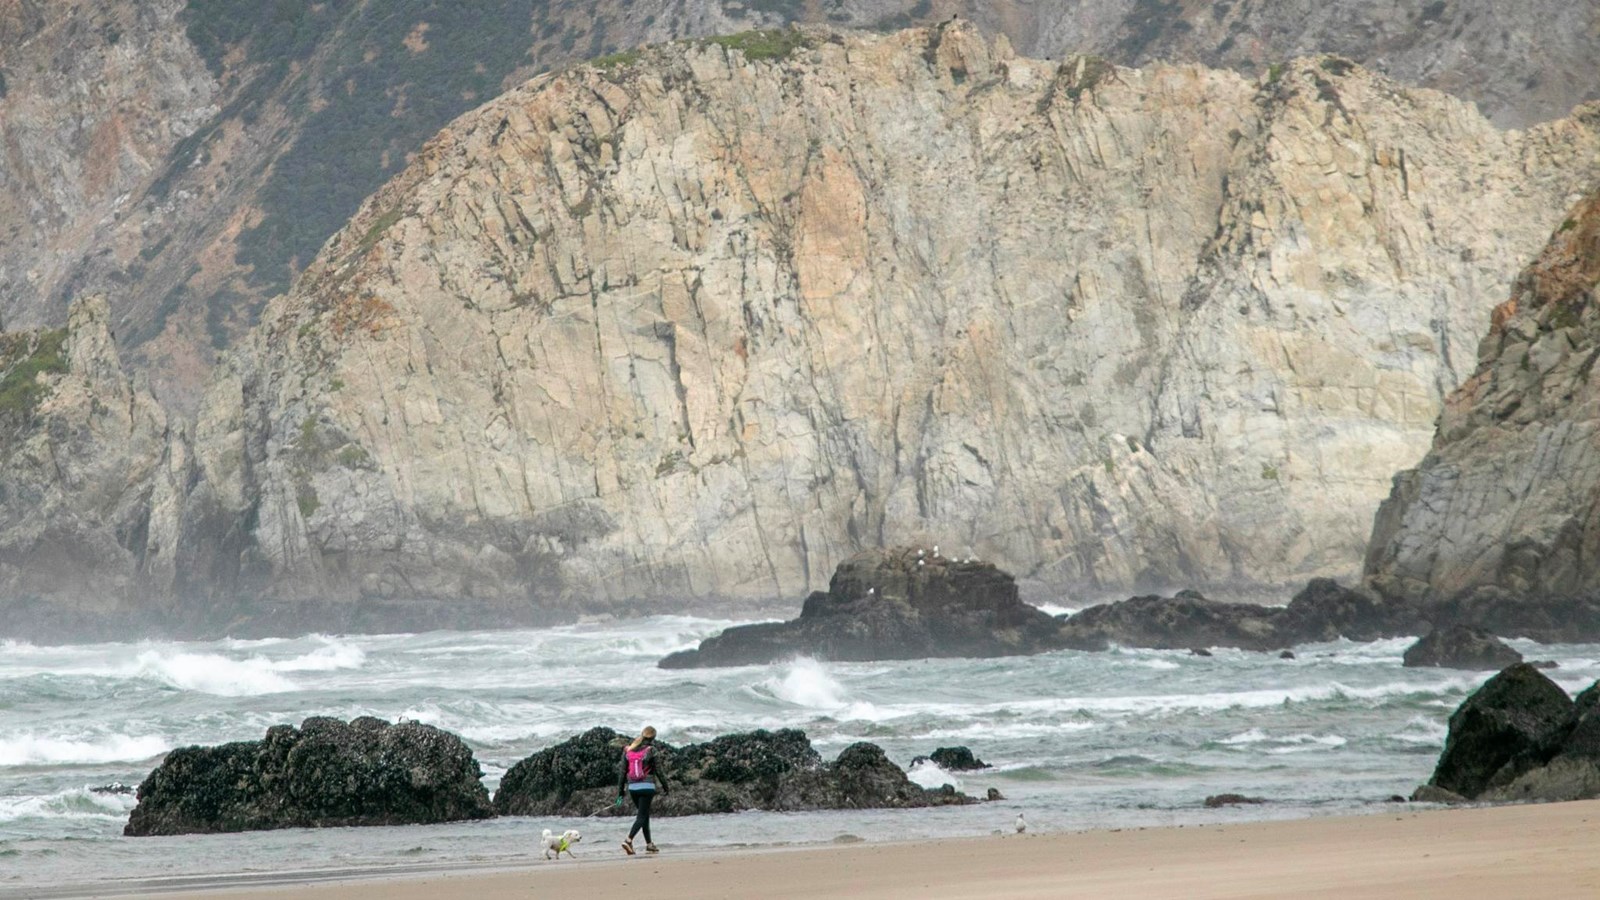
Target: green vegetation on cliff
[
  {"x": 23, "y": 358},
  {"x": 771, "y": 43}
]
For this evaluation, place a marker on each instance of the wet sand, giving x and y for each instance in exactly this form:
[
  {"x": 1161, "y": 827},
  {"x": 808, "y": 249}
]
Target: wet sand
[{"x": 1545, "y": 851}]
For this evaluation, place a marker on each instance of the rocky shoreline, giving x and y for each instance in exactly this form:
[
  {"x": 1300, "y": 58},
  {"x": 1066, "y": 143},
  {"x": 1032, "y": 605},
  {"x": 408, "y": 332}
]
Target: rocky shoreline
[{"x": 329, "y": 773}]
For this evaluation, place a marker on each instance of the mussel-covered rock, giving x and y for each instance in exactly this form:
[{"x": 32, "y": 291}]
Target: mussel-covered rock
[
  {"x": 325, "y": 773},
  {"x": 772, "y": 770},
  {"x": 900, "y": 603}
]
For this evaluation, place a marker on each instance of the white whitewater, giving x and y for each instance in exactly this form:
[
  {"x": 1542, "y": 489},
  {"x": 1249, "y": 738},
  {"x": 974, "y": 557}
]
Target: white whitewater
[{"x": 1077, "y": 740}]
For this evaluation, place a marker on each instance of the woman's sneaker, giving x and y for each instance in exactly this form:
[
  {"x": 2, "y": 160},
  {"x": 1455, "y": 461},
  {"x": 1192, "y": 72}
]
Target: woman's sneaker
[
  {"x": 651, "y": 848},
  {"x": 627, "y": 846}
]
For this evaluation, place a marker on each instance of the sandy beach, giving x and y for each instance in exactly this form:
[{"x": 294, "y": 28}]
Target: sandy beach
[{"x": 1543, "y": 851}]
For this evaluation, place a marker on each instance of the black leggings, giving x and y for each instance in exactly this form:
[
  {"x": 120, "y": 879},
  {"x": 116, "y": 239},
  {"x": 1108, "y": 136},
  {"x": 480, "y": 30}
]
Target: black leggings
[{"x": 641, "y": 822}]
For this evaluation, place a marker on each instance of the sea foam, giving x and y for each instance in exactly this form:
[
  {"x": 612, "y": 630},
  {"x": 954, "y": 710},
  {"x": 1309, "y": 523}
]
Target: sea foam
[
  {"x": 211, "y": 673},
  {"x": 33, "y": 750},
  {"x": 75, "y": 803},
  {"x": 807, "y": 683}
]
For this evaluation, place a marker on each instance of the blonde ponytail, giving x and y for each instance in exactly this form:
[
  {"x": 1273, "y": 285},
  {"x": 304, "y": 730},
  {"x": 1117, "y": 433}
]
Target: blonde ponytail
[{"x": 647, "y": 734}]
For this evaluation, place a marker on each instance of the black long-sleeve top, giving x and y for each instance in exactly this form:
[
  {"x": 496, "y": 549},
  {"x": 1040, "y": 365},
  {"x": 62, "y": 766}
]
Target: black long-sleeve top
[{"x": 652, "y": 766}]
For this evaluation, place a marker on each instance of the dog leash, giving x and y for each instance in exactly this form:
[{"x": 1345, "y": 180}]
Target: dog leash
[{"x": 613, "y": 804}]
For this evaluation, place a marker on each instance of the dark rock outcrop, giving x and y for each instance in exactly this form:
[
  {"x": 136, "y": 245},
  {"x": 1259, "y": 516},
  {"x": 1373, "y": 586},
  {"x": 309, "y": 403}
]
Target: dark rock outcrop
[
  {"x": 1520, "y": 739},
  {"x": 324, "y": 773},
  {"x": 771, "y": 770},
  {"x": 1568, "y": 769},
  {"x": 953, "y": 759},
  {"x": 1187, "y": 619},
  {"x": 1546, "y": 617},
  {"x": 1323, "y": 611},
  {"x": 901, "y": 603},
  {"x": 1509, "y": 726},
  {"x": 1461, "y": 647},
  {"x": 1326, "y": 610}
]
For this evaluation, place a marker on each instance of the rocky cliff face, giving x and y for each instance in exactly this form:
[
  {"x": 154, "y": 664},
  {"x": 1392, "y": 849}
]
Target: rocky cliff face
[
  {"x": 698, "y": 324},
  {"x": 91, "y": 480},
  {"x": 1507, "y": 498},
  {"x": 692, "y": 325},
  {"x": 188, "y": 158}
]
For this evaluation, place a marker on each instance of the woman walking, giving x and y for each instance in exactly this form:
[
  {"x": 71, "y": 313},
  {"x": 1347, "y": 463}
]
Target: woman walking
[{"x": 641, "y": 769}]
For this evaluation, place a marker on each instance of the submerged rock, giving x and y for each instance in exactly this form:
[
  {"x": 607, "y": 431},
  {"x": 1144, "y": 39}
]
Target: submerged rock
[
  {"x": 771, "y": 770},
  {"x": 1217, "y": 801},
  {"x": 900, "y": 603},
  {"x": 1461, "y": 647},
  {"x": 325, "y": 773}
]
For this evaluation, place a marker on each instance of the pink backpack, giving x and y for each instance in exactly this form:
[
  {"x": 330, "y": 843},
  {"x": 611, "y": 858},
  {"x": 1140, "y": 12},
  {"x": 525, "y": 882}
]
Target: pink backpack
[{"x": 637, "y": 770}]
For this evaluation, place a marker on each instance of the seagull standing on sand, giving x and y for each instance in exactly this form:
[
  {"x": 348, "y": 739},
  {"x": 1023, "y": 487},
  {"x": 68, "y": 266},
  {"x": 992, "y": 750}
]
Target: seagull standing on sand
[{"x": 1022, "y": 824}]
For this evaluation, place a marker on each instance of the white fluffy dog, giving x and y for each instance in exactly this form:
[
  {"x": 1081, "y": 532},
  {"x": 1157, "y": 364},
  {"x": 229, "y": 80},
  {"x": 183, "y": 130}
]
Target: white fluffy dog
[{"x": 560, "y": 842}]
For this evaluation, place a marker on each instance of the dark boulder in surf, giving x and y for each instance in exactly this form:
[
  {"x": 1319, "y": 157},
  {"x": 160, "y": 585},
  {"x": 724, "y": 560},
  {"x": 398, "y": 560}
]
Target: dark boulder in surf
[
  {"x": 901, "y": 603},
  {"x": 953, "y": 759},
  {"x": 1461, "y": 647},
  {"x": 1564, "y": 769},
  {"x": 1514, "y": 723},
  {"x": 325, "y": 773},
  {"x": 769, "y": 770}
]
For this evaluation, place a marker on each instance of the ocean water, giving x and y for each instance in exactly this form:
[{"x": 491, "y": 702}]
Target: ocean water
[{"x": 1077, "y": 740}]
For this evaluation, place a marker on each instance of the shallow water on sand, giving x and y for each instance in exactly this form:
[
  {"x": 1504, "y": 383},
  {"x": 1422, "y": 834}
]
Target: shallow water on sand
[{"x": 1077, "y": 740}]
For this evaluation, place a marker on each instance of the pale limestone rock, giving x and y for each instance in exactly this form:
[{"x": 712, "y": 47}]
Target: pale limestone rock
[
  {"x": 697, "y": 329},
  {"x": 88, "y": 526}
]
